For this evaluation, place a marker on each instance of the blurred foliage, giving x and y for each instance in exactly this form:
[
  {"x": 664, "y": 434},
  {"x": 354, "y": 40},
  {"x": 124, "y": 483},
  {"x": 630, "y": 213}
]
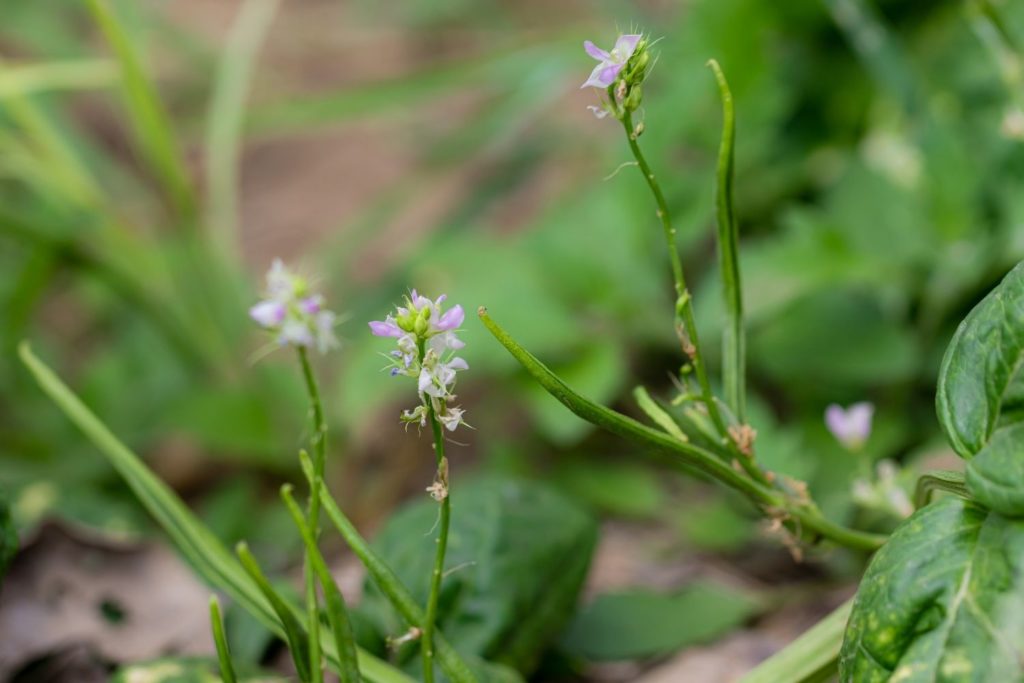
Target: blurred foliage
[
  {"x": 877, "y": 193},
  {"x": 640, "y": 623},
  {"x": 509, "y": 590}
]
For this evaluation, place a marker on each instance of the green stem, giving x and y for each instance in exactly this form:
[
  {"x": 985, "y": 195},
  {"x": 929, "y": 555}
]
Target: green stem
[
  {"x": 686, "y": 455},
  {"x": 319, "y": 440},
  {"x": 437, "y": 573},
  {"x": 684, "y": 307}
]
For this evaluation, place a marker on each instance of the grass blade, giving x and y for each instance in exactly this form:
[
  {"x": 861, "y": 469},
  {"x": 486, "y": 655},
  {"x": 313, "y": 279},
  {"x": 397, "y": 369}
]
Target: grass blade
[
  {"x": 227, "y": 670},
  {"x": 200, "y": 548},
  {"x": 813, "y": 656},
  {"x": 79, "y": 74},
  {"x": 658, "y": 414},
  {"x": 733, "y": 341},
  {"x": 298, "y": 641},
  {"x": 225, "y": 120},
  {"x": 451, "y": 662},
  {"x": 336, "y": 610},
  {"x": 148, "y": 119}
]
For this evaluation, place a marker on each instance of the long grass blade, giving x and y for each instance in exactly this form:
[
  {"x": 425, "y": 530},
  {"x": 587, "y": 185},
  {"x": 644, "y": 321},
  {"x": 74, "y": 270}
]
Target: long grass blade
[
  {"x": 226, "y": 117},
  {"x": 200, "y": 548},
  {"x": 147, "y": 117},
  {"x": 337, "y": 613},
  {"x": 733, "y": 341},
  {"x": 36, "y": 77},
  {"x": 227, "y": 669},
  {"x": 812, "y": 657}
]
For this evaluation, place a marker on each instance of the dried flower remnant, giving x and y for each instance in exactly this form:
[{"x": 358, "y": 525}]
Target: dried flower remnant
[
  {"x": 293, "y": 313},
  {"x": 426, "y": 338},
  {"x": 850, "y": 426}
]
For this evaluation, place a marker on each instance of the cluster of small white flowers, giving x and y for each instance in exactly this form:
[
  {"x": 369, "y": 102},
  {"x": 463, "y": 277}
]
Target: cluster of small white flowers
[
  {"x": 295, "y": 314},
  {"x": 426, "y": 340}
]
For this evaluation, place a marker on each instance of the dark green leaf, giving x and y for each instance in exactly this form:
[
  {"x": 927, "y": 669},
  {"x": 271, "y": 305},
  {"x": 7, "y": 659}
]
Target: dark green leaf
[
  {"x": 995, "y": 476},
  {"x": 942, "y": 600},
  {"x": 980, "y": 365},
  {"x": 510, "y": 588},
  {"x": 644, "y": 623}
]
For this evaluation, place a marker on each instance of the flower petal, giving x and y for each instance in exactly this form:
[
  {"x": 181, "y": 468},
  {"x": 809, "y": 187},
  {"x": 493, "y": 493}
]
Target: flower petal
[
  {"x": 268, "y": 313},
  {"x": 595, "y": 80},
  {"x": 595, "y": 52},
  {"x": 625, "y": 45},
  {"x": 451, "y": 318},
  {"x": 385, "y": 328}
]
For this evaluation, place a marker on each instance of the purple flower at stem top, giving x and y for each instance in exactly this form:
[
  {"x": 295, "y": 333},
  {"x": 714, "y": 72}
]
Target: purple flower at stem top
[
  {"x": 610, "y": 63},
  {"x": 618, "y": 75},
  {"x": 294, "y": 314},
  {"x": 851, "y": 426},
  {"x": 426, "y": 340}
]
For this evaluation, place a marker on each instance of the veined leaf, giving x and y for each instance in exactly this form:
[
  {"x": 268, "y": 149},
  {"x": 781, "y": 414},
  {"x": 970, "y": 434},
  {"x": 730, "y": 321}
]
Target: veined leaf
[
  {"x": 943, "y": 600},
  {"x": 980, "y": 364},
  {"x": 995, "y": 476}
]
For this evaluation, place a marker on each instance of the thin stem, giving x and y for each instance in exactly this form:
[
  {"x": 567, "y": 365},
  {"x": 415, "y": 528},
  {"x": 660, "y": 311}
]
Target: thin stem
[
  {"x": 437, "y": 574},
  {"x": 684, "y": 307},
  {"x": 686, "y": 455},
  {"x": 319, "y": 440}
]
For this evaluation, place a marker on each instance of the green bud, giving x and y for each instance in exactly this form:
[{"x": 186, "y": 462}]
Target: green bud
[
  {"x": 632, "y": 102},
  {"x": 421, "y": 325},
  {"x": 407, "y": 322}
]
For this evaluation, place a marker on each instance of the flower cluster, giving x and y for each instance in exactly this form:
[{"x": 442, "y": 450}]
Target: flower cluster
[
  {"x": 619, "y": 73},
  {"x": 293, "y": 313},
  {"x": 427, "y": 343}
]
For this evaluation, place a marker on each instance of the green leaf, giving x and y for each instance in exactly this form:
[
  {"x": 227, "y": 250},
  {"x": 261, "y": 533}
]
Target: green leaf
[
  {"x": 942, "y": 600},
  {"x": 980, "y": 365},
  {"x": 8, "y": 538},
  {"x": 644, "y": 623},
  {"x": 624, "y": 489},
  {"x": 995, "y": 476},
  {"x": 197, "y": 544},
  {"x": 227, "y": 669},
  {"x": 811, "y": 657},
  {"x": 509, "y": 589}
]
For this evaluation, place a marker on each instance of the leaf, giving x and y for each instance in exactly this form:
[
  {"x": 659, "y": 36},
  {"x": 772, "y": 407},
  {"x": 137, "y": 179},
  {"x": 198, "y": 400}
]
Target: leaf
[
  {"x": 8, "y": 538},
  {"x": 197, "y": 544},
  {"x": 995, "y": 476},
  {"x": 509, "y": 590},
  {"x": 620, "y": 488},
  {"x": 980, "y": 365},
  {"x": 942, "y": 600},
  {"x": 640, "y": 623}
]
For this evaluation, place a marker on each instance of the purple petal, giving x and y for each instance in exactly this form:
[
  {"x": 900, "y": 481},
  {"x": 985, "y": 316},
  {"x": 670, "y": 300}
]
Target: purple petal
[
  {"x": 595, "y": 52},
  {"x": 311, "y": 305},
  {"x": 595, "y": 80},
  {"x": 268, "y": 313},
  {"x": 386, "y": 328},
  {"x": 625, "y": 45},
  {"x": 852, "y": 426},
  {"x": 599, "y": 112},
  {"x": 458, "y": 364},
  {"x": 451, "y": 318}
]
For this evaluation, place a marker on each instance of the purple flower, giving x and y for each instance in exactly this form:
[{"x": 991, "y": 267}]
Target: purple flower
[
  {"x": 268, "y": 314},
  {"x": 426, "y": 341},
  {"x": 386, "y": 328},
  {"x": 610, "y": 63},
  {"x": 850, "y": 426},
  {"x": 296, "y": 315}
]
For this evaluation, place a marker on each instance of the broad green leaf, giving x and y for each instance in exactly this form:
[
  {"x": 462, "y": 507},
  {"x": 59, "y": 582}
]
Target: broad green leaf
[
  {"x": 509, "y": 589},
  {"x": 941, "y": 601},
  {"x": 644, "y": 623},
  {"x": 995, "y": 476},
  {"x": 980, "y": 365}
]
